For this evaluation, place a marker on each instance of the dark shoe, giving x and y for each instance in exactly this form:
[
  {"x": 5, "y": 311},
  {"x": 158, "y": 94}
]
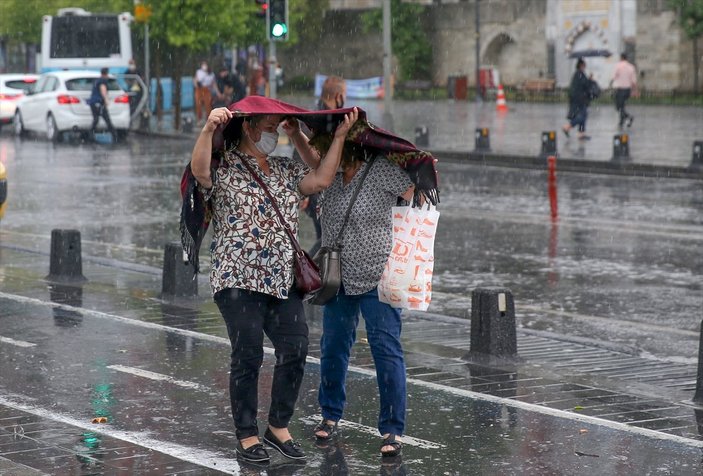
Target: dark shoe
[
  {"x": 289, "y": 449},
  {"x": 566, "y": 132},
  {"x": 254, "y": 454},
  {"x": 629, "y": 122},
  {"x": 391, "y": 441},
  {"x": 331, "y": 430}
]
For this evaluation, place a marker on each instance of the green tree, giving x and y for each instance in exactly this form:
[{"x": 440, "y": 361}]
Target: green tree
[
  {"x": 691, "y": 21},
  {"x": 180, "y": 30},
  {"x": 409, "y": 39}
]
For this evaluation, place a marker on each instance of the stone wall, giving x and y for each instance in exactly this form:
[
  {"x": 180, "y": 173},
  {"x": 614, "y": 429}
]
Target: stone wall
[
  {"x": 344, "y": 49},
  {"x": 523, "y": 56},
  {"x": 658, "y": 54}
]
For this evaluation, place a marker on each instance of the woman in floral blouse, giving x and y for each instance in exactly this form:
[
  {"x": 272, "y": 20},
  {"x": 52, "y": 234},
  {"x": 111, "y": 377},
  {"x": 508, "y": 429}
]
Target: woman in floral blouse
[{"x": 252, "y": 264}]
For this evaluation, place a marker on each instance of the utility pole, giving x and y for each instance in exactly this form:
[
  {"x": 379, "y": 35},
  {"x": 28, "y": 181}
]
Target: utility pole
[
  {"x": 387, "y": 60},
  {"x": 478, "y": 52},
  {"x": 272, "y": 69}
]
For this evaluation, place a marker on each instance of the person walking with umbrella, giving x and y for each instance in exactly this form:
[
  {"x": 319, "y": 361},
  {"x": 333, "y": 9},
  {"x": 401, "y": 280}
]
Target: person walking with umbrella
[{"x": 581, "y": 91}]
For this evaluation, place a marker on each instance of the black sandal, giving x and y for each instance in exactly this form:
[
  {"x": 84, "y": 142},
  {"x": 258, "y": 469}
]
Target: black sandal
[
  {"x": 391, "y": 441},
  {"x": 331, "y": 430}
]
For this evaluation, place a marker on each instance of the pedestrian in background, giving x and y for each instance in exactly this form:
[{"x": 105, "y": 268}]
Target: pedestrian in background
[
  {"x": 333, "y": 96},
  {"x": 99, "y": 102},
  {"x": 252, "y": 261},
  {"x": 204, "y": 81},
  {"x": 625, "y": 83},
  {"x": 366, "y": 244},
  {"x": 224, "y": 88},
  {"x": 581, "y": 92}
]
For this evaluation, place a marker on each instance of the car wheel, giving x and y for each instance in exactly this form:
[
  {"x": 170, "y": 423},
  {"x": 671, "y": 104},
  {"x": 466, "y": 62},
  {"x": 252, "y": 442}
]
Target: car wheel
[
  {"x": 52, "y": 132},
  {"x": 18, "y": 125}
]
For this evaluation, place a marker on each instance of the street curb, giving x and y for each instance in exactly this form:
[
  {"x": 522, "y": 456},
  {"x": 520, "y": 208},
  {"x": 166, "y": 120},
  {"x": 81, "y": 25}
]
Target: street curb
[{"x": 611, "y": 167}]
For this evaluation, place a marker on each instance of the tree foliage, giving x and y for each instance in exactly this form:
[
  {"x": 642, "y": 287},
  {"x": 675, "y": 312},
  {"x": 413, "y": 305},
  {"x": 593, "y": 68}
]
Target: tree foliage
[
  {"x": 409, "y": 39},
  {"x": 690, "y": 16}
]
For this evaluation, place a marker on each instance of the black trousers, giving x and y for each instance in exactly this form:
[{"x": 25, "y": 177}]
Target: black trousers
[
  {"x": 621, "y": 97},
  {"x": 248, "y": 316},
  {"x": 99, "y": 110}
]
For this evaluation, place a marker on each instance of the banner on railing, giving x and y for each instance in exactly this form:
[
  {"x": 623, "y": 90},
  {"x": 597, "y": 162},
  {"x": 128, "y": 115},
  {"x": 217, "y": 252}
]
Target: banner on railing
[{"x": 369, "y": 88}]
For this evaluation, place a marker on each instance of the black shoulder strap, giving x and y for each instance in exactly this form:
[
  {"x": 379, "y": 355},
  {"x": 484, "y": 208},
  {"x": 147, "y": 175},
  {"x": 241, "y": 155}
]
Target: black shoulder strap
[{"x": 351, "y": 202}]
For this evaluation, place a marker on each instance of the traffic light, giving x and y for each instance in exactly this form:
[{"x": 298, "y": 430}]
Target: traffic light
[
  {"x": 277, "y": 20},
  {"x": 263, "y": 7}
]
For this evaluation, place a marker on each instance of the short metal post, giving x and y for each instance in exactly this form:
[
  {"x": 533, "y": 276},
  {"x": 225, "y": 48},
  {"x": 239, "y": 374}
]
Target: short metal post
[
  {"x": 422, "y": 136},
  {"x": 65, "y": 263},
  {"x": 549, "y": 143},
  {"x": 483, "y": 140},
  {"x": 697, "y": 158},
  {"x": 698, "y": 396},
  {"x": 178, "y": 279},
  {"x": 493, "y": 322},
  {"x": 621, "y": 148}
]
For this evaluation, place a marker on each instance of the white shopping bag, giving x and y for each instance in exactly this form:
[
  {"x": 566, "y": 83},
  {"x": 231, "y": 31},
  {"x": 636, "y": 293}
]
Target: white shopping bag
[{"x": 406, "y": 281}]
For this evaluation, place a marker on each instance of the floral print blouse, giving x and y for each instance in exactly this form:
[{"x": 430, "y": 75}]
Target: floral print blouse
[{"x": 250, "y": 248}]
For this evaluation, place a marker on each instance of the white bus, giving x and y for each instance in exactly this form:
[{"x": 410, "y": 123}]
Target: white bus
[{"x": 77, "y": 39}]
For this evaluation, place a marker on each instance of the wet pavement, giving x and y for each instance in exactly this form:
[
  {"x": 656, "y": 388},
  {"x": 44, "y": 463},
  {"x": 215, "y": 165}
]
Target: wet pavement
[{"x": 608, "y": 300}]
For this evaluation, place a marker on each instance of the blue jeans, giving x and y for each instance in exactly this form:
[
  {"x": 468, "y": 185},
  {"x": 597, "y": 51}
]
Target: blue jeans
[{"x": 340, "y": 318}]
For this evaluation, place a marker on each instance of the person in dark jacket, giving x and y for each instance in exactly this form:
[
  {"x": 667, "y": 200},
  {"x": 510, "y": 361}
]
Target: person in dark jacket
[
  {"x": 581, "y": 91},
  {"x": 99, "y": 101}
]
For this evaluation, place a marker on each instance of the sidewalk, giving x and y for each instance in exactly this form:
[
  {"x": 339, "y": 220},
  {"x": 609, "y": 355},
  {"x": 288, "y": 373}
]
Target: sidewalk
[{"x": 660, "y": 142}]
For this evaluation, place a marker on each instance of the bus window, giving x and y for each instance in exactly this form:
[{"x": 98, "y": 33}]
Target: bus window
[{"x": 85, "y": 37}]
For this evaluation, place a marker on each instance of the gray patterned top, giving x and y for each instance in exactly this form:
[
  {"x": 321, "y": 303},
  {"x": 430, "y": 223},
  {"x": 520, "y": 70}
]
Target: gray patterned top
[{"x": 368, "y": 237}]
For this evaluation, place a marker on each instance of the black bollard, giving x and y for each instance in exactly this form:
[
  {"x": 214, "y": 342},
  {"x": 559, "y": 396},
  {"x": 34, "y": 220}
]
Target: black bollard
[
  {"x": 698, "y": 396},
  {"x": 493, "y": 322},
  {"x": 549, "y": 144},
  {"x": 65, "y": 265},
  {"x": 621, "y": 147},
  {"x": 422, "y": 136},
  {"x": 178, "y": 279},
  {"x": 697, "y": 159},
  {"x": 483, "y": 140}
]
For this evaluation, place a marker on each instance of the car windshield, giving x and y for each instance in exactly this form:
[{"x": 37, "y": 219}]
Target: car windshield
[
  {"x": 86, "y": 84},
  {"x": 23, "y": 84}
]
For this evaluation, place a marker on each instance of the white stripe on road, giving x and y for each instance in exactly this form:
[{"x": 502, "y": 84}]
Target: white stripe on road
[
  {"x": 208, "y": 459},
  {"x": 440, "y": 388},
  {"x": 407, "y": 440},
  {"x": 18, "y": 343},
  {"x": 156, "y": 376}
]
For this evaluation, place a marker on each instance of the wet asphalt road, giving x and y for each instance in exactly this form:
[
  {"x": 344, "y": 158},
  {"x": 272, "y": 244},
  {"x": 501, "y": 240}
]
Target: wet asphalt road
[{"x": 622, "y": 263}]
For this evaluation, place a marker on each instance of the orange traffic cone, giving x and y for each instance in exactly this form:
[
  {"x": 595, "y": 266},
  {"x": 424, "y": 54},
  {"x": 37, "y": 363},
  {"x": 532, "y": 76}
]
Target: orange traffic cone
[{"x": 500, "y": 99}]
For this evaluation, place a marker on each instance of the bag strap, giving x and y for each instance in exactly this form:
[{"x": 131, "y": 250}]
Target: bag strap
[
  {"x": 351, "y": 202},
  {"x": 296, "y": 246}
]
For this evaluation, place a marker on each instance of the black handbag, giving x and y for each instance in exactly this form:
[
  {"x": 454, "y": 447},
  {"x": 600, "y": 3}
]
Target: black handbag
[
  {"x": 306, "y": 272},
  {"x": 329, "y": 258}
]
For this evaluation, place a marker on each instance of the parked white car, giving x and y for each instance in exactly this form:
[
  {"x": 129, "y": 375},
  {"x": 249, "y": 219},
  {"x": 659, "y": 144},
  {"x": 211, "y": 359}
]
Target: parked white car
[
  {"x": 12, "y": 88},
  {"x": 58, "y": 103}
]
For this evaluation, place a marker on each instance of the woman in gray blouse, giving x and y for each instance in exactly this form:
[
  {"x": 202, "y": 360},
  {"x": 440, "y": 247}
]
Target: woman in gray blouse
[{"x": 366, "y": 245}]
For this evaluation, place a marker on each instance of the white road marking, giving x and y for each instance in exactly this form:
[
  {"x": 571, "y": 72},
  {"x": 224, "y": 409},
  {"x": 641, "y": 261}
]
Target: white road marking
[
  {"x": 439, "y": 388},
  {"x": 407, "y": 440},
  {"x": 18, "y": 343},
  {"x": 156, "y": 376},
  {"x": 209, "y": 459}
]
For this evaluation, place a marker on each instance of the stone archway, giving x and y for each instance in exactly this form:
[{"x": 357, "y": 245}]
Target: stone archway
[
  {"x": 501, "y": 53},
  {"x": 581, "y": 31}
]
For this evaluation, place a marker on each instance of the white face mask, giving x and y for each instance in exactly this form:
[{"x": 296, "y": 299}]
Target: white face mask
[{"x": 267, "y": 143}]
